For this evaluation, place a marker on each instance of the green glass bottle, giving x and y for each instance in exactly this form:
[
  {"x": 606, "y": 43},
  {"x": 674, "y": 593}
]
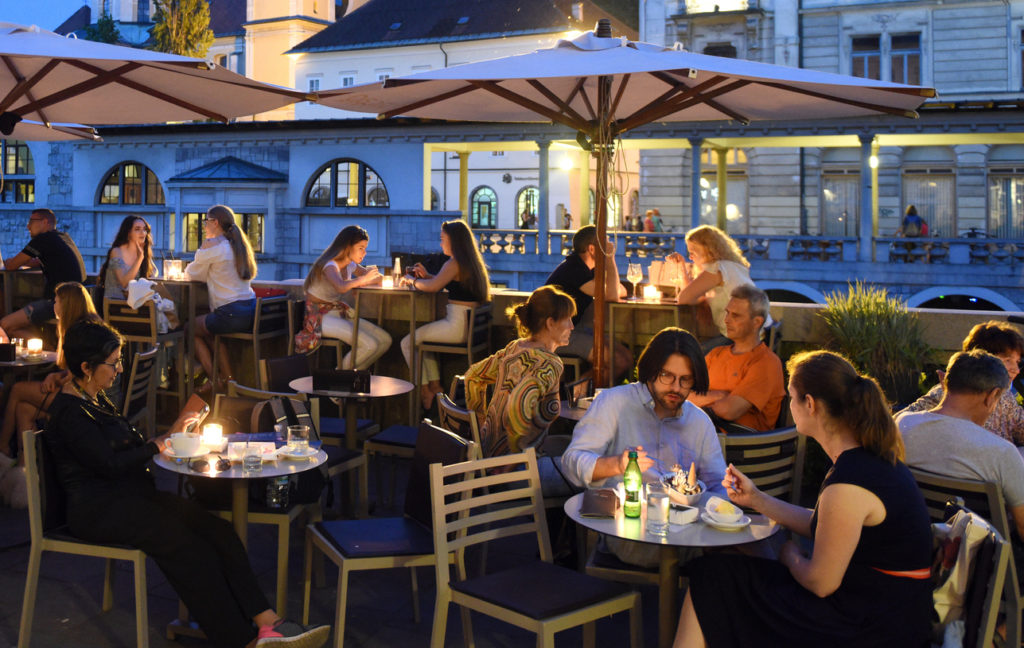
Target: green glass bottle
[{"x": 632, "y": 481}]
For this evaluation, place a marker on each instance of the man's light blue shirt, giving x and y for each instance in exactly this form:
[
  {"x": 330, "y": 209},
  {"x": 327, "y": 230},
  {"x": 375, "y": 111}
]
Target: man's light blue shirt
[{"x": 623, "y": 417}]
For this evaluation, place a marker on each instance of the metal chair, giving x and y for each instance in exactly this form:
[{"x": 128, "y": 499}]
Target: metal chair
[
  {"x": 383, "y": 543},
  {"x": 537, "y": 596},
  {"x": 457, "y": 419},
  {"x": 270, "y": 321},
  {"x": 140, "y": 392},
  {"x": 49, "y": 533}
]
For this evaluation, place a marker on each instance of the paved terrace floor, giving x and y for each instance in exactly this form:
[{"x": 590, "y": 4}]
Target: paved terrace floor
[{"x": 68, "y": 613}]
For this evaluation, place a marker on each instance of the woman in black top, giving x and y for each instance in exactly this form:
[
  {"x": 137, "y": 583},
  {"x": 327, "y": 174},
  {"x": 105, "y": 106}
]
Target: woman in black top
[
  {"x": 866, "y": 581},
  {"x": 102, "y": 463},
  {"x": 464, "y": 276}
]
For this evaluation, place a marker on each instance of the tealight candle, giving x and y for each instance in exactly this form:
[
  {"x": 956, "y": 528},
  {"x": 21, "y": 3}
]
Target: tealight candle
[
  {"x": 213, "y": 434},
  {"x": 387, "y": 282},
  {"x": 651, "y": 293},
  {"x": 172, "y": 269},
  {"x": 35, "y": 346}
]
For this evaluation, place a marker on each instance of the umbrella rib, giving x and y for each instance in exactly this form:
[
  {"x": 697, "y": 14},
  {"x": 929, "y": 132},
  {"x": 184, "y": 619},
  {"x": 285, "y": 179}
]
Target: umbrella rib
[
  {"x": 619, "y": 93},
  {"x": 553, "y": 98},
  {"x": 670, "y": 78},
  {"x": 849, "y": 102},
  {"x": 660, "y": 107},
  {"x": 24, "y": 86},
  {"x": 426, "y": 102},
  {"x": 504, "y": 93},
  {"x": 576, "y": 89},
  {"x": 84, "y": 86},
  {"x": 590, "y": 107}
]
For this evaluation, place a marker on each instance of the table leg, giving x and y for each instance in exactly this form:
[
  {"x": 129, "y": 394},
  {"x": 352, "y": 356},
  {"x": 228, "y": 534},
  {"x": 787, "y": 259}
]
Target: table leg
[
  {"x": 355, "y": 336},
  {"x": 414, "y": 370},
  {"x": 355, "y": 497},
  {"x": 668, "y": 595},
  {"x": 240, "y": 508}
]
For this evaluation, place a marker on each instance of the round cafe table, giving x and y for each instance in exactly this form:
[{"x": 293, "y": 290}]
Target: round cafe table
[
  {"x": 27, "y": 364},
  {"x": 694, "y": 534}
]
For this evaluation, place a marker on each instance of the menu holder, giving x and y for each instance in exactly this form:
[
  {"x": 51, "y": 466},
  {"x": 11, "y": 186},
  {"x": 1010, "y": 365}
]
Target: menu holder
[
  {"x": 341, "y": 380},
  {"x": 7, "y": 352},
  {"x": 599, "y": 503}
]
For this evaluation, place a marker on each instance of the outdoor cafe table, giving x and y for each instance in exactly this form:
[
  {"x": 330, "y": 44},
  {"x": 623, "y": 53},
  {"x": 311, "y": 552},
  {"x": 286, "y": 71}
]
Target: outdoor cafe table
[
  {"x": 28, "y": 364},
  {"x": 695, "y": 534}
]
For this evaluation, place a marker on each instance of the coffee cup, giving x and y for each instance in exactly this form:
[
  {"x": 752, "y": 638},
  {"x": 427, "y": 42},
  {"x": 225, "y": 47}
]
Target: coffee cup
[{"x": 185, "y": 444}]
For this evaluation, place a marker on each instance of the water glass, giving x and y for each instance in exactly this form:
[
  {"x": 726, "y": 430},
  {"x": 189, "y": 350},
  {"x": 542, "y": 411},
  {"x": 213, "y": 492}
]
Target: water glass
[
  {"x": 281, "y": 434},
  {"x": 298, "y": 438},
  {"x": 657, "y": 511},
  {"x": 252, "y": 460}
]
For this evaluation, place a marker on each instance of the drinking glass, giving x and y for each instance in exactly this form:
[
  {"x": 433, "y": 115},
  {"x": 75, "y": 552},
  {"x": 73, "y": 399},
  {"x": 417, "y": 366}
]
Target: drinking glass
[
  {"x": 657, "y": 510},
  {"x": 677, "y": 277},
  {"x": 298, "y": 438},
  {"x": 252, "y": 460},
  {"x": 634, "y": 275}
]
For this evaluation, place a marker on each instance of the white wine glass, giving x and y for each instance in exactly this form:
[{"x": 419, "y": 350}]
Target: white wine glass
[
  {"x": 677, "y": 277},
  {"x": 634, "y": 275}
]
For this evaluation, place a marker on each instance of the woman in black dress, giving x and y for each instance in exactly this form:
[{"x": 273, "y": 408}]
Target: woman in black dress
[
  {"x": 866, "y": 581},
  {"x": 101, "y": 462}
]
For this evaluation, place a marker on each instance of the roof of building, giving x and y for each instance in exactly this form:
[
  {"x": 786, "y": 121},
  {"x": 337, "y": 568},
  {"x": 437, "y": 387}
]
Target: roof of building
[
  {"x": 230, "y": 169},
  {"x": 391, "y": 23},
  {"x": 227, "y": 17},
  {"x": 81, "y": 19}
]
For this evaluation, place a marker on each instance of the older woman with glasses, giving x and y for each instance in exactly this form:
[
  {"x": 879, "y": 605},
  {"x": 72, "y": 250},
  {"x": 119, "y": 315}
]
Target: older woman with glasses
[{"x": 101, "y": 463}]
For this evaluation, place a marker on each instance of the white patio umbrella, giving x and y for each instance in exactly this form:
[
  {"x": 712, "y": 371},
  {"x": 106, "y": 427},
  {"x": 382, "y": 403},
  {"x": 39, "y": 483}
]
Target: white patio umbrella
[
  {"x": 603, "y": 86},
  {"x": 50, "y": 78},
  {"x": 33, "y": 131}
]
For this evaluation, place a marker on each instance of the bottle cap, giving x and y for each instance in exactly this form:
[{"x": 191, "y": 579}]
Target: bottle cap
[{"x": 632, "y": 454}]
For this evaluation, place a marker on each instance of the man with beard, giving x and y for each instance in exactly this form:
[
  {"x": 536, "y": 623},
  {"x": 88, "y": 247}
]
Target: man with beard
[{"x": 653, "y": 417}]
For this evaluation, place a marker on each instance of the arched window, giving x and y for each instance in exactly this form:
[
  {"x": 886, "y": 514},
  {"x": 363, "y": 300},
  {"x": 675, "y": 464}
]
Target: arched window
[
  {"x": 526, "y": 203},
  {"x": 435, "y": 199},
  {"x": 131, "y": 183},
  {"x": 347, "y": 183},
  {"x": 19, "y": 184},
  {"x": 613, "y": 214},
  {"x": 484, "y": 210}
]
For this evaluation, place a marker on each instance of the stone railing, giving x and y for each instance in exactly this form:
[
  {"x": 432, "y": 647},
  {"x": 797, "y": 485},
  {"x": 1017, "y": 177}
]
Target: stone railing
[
  {"x": 952, "y": 251},
  {"x": 517, "y": 241}
]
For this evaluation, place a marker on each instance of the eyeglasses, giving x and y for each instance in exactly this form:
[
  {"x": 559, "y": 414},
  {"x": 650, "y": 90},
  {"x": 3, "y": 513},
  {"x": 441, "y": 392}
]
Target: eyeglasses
[
  {"x": 114, "y": 365},
  {"x": 667, "y": 379}
]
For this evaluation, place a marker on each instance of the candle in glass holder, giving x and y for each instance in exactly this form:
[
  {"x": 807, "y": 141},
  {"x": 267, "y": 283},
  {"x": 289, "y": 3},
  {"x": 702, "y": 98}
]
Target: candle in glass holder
[
  {"x": 172, "y": 269},
  {"x": 387, "y": 282},
  {"x": 651, "y": 293},
  {"x": 213, "y": 434},
  {"x": 35, "y": 346}
]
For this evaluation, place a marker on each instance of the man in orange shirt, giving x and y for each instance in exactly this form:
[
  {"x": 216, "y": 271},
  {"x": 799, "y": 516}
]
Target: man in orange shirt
[{"x": 746, "y": 383}]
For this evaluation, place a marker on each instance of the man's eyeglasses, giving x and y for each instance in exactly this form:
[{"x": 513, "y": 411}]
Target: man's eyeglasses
[
  {"x": 667, "y": 379},
  {"x": 114, "y": 365}
]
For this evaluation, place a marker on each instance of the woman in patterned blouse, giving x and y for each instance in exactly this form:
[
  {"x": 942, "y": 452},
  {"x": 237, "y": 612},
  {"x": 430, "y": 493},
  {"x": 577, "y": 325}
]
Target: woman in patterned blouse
[{"x": 1006, "y": 343}]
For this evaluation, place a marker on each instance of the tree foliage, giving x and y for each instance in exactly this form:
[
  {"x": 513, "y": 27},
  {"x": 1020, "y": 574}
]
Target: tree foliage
[
  {"x": 182, "y": 27},
  {"x": 104, "y": 31}
]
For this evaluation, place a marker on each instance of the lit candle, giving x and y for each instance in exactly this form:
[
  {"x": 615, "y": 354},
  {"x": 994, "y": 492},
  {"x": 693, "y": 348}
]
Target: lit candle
[
  {"x": 388, "y": 282},
  {"x": 172, "y": 269},
  {"x": 213, "y": 434},
  {"x": 35, "y": 346},
  {"x": 651, "y": 293}
]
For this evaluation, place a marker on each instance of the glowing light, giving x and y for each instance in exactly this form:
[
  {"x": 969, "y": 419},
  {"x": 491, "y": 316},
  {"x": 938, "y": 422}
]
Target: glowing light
[
  {"x": 873, "y": 161},
  {"x": 213, "y": 434},
  {"x": 651, "y": 293},
  {"x": 388, "y": 282},
  {"x": 565, "y": 164},
  {"x": 35, "y": 346}
]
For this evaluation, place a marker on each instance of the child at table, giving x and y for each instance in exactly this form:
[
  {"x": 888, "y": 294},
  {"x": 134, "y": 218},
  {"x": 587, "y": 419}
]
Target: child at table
[{"x": 334, "y": 274}]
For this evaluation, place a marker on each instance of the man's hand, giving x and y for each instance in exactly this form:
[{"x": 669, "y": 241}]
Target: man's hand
[{"x": 642, "y": 459}]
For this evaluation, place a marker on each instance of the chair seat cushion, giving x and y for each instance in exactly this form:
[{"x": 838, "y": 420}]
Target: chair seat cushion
[
  {"x": 331, "y": 426},
  {"x": 540, "y": 590},
  {"x": 398, "y": 435},
  {"x": 608, "y": 560},
  {"x": 63, "y": 534},
  {"x": 337, "y": 455},
  {"x": 374, "y": 537}
]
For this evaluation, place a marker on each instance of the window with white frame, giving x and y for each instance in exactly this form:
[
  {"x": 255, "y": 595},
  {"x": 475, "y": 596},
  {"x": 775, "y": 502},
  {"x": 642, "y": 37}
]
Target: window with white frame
[
  {"x": 932, "y": 191},
  {"x": 251, "y": 224},
  {"x": 867, "y": 57},
  {"x": 346, "y": 183},
  {"x": 736, "y": 190},
  {"x": 313, "y": 83},
  {"x": 484, "y": 208},
  {"x": 905, "y": 58},
  {"x": 840, "y": 202},
  {"x": 384, "y": 74},
  {"x": 347, "y": 79},
  {"x": 1006, "y": 203},
  {"x": 19, "y": 183},
  {"x": 131, "y": 183},
  {"x": 887, "y": 57}
]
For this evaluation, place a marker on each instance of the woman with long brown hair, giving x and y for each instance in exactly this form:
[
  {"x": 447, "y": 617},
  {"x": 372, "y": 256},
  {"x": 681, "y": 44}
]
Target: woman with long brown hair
[
  {"x": 464, "y": 276},
  {"x": 866, "y": 581},
  {"x": 130, "y": 256},
  {"x": 227, "y": 264}
]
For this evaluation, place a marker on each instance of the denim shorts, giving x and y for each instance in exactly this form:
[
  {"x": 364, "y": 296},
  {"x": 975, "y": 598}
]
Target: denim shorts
[{"x": 236, "y": 317}]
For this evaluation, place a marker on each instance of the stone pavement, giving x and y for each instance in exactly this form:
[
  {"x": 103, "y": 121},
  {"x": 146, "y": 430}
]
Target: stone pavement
[{"x": 68, "y": 611}]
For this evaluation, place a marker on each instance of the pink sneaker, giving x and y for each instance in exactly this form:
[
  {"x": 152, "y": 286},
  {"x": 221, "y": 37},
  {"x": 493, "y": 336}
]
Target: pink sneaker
[{"x": 293, "y": 635}]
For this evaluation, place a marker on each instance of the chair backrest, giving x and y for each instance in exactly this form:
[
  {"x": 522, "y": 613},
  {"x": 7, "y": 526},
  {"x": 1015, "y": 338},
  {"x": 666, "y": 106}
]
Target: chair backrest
[
  {"x": 46, "y": 503},
  {"x": 264, "y": 416},
  {"x": 457, "y": 419},
  {"x": 773, "y": 460},
  {"x": 271, "y": 315},
  {"x": 569, "y": 390},
  {"x": 140, "y": 389},
  {"x": 984, "y": 498},
  {"x": 296, "y": 315},
  {"x": 772, "y": 335},
  {"x": 433, "y": 445},
  {"x": 136, "y": 325},
  {"x": 479, "y": 338},
  {"x": 276, "y": 373},
  {"x": 234, "y": 413},
  {"x": 482, "y": 500},
  {"x": 457, "y": 392}
]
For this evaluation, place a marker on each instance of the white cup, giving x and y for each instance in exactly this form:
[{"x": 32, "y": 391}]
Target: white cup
[{"x": 185, "y": 444}]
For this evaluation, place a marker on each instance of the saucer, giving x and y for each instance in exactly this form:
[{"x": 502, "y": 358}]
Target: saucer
[
  {"x": 169, "y": 452},
  {"x": 297, "y": 454},
  {"x": 743, "y": 523}
]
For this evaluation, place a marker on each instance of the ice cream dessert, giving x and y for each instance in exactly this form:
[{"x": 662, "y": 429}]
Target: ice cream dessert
[{"x": 685, "y": 481}]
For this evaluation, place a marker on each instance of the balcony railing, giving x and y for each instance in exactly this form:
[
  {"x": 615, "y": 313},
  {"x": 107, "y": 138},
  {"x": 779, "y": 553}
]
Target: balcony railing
[{"x": 951, "y": 251}]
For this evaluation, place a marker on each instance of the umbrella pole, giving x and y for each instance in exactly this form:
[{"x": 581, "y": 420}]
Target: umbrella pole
[{"x": 602, "y": 143}]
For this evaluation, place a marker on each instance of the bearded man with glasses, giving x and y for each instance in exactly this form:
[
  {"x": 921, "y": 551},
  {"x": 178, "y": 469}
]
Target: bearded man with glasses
[{"x": 653, "y": 417}]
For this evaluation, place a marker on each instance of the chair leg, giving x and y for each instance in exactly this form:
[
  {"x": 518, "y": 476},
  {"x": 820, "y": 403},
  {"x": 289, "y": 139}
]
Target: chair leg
[
  {"x": 216, "y": 354},
  {"x": 440, "y": 621},
  {"x": 307, "y": 570},
  {"x": 467, "y": 627},
  {"x": 141, "y": 604},
  {"x": 283, "y": 528},
  {"x": 256, "y": 361},
  {"x": 636, "y": 624},
  {"x": 589, "y": 635},
  {"x": 546, "y": 637},
  {"x": 28, "y": 606},
  {"x": 339, "y": 611},
  {"x": 415, "y": 596},
  {"x": 108, "y": 585}
]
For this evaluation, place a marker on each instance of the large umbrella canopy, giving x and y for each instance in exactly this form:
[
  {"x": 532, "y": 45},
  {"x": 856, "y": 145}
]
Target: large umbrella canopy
[
  {"x": 603, "y": 86},
  {"x": 49, "y": 78},
  {"x": 33, "y": 131}
]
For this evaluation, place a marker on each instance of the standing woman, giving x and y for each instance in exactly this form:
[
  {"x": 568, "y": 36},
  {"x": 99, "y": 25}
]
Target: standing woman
[
  {"x": 227, "y": 265},
  {"x": 465, "y": 277},
  {"x": 336, "y": 272},
  {"x": 129, "y": 257},
  {"x": 718, "y": 267},
  {"x": 866, "y": 581}
]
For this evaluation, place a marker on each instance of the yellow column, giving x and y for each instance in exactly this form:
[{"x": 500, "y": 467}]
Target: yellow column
[
  {"x": 874, "y": 188},
  {"x": 428, "y": 175},
  {"x": 722, "y": 180},
  {"x": 464, "y": 184},
  {"x": 583, "y": 169}
]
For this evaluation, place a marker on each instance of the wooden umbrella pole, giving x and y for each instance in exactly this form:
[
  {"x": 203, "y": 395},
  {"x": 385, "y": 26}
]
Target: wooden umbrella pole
[{"x": 602, "y": 143}]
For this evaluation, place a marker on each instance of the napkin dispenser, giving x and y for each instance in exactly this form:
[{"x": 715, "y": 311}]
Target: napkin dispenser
[
  {"x": 7, "y": 352},
  {"x": 341, "y": 380}
]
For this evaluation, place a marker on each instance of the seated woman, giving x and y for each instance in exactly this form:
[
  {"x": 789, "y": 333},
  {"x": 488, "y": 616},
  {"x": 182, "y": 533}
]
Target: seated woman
[
  {"x": 525, "y": 376},
  {"x": 227, "y": 265},
  {"x": 30, "y": 398},
  {"x": 465, "y": 277},
  {"x": 101, "y": 462},
  {"x": 129, "y": 257},
  {"x": 718, "y": 267},
  {"x": 867, "y": 579},
  {"x": 334, "y": 274}
]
